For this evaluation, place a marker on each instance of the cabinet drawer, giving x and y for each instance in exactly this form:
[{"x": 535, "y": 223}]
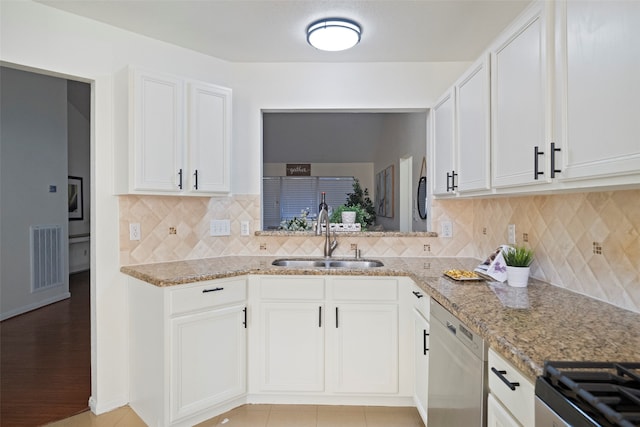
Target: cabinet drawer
[
  {"x": 420, "y": 301},
  {"x": 207, "y": 294},
  {"x": 364, "y": 289},
  {"x": 291, "y": 288},
  {"x": 520, "y": 402}
]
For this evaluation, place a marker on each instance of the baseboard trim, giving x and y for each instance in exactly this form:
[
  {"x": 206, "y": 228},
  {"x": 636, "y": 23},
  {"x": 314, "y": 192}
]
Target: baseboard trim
[{"x": 30, "y": 307}]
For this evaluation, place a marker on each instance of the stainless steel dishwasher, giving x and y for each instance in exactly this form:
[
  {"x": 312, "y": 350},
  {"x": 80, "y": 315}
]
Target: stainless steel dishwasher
[{"x": 457, "y": 373}]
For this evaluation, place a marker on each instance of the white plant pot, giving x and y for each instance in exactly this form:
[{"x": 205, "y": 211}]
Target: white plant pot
[
  {"x": 348, "y": 217},
  {"x": 518, "y": 277}
]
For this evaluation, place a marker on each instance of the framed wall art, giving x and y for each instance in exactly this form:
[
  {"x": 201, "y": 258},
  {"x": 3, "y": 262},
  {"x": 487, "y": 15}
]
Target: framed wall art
[
  {"x": 384, "y": 192},
  {"x": 75, "y": 197}
]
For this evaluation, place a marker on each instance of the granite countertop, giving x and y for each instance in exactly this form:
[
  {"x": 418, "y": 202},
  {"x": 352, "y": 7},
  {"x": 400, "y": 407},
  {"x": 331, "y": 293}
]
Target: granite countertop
[{"x": 525, "y": 325}]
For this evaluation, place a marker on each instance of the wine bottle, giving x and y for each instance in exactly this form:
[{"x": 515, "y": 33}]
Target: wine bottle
[{"x": 323, "y": 203}]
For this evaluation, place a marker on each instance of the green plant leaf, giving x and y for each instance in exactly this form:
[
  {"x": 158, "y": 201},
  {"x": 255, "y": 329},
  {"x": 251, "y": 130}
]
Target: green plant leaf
[{"x": 518, "y": 256}]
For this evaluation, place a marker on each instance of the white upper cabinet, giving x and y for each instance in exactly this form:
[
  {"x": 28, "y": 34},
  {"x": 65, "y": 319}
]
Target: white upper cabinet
[
  {"x": 443, "y": 132},
  {"x": 461, "y": 135},
  {"x": 177, "y": 138},
  {"x": 209, "y": 137},
  {"x": 157, "y": 127},
  {"x": 472, "y": 120},
  {"x": 519, "y": 122},
  {"x": 598, "y": 90}
]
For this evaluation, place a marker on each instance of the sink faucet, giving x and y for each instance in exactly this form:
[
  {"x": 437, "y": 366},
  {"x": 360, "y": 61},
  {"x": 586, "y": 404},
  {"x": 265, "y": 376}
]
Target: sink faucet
[{"x": 329, "y": 246}]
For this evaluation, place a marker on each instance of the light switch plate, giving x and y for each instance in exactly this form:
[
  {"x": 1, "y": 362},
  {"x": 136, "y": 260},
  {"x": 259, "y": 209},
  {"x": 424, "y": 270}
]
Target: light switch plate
[
  {"x": 447, "y": 229},
  {"x": 244, "y": 228},
  {"x": 220, "y": 227},
  {"x": 511, "y": 234}
]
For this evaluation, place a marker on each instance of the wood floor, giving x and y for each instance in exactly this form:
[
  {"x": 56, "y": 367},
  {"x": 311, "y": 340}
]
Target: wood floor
[{"x": 45, "y": 360}]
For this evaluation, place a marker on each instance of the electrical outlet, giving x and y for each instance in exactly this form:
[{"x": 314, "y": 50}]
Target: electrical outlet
[
  {"x": 134, "y": 231},
  {"x": 220, "y": 227},
  {"x": 511, "y": 234},
  {"x": 244, "y": 228},
  {"x": 447, "y": 229}
]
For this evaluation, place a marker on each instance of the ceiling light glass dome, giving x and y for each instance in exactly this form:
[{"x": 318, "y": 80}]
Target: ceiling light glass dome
[{"x": 333, "y": 34}]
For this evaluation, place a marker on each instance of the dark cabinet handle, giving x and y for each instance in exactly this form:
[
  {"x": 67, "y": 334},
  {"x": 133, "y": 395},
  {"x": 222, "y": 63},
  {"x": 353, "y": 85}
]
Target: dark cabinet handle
[
  {"x": 417, "y": 294},
  {"x": 245, "y": 317},
  {"x": 204, "y": 291},
  {"x": 451, "y": 176},
  {"x": 424, "y": 342},
  {"x": 336, "y": 317},
  {"x": 501, "y": 375},
  {"x": 536, "y": 153},
  {"x": 195, "y": 181},
  {"x": 180, "y": 179},
  {"x": 554, "y": 171},
  {"x": 320, "y": 317}
]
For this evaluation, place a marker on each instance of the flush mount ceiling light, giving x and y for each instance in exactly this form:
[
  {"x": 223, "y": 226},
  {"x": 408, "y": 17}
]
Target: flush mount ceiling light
[{"x": 333, "y": 34}]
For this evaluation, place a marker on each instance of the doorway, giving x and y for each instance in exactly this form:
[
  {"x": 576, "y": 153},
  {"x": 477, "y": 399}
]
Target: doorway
[
  {"x": 46, "y": 336},
  {"x": 406, "y": 192}
]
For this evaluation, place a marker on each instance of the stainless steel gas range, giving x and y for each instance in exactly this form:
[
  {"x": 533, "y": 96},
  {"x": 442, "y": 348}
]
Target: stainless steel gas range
[{"x": 588, "y": 394}]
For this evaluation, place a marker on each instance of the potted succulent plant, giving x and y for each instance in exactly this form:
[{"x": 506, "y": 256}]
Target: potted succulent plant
[{"x": 518, "y": 260}]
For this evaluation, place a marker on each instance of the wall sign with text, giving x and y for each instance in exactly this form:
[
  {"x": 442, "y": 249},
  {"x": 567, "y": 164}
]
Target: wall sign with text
[{"x": 298, "y": 169}]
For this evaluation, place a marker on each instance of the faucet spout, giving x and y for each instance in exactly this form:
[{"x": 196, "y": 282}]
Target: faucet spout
[{"x": 329, "y": 246}]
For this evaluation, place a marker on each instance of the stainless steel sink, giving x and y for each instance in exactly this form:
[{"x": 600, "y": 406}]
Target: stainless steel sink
[{"x": 327, "y": 263}]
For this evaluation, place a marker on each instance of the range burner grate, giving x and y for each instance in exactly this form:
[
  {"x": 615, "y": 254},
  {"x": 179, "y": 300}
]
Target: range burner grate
[{"x": 600, "y": 388}]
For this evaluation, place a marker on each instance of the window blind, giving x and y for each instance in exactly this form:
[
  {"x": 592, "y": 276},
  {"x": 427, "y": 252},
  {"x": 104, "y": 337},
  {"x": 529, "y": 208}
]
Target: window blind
[{"x": 284, "y": 198}]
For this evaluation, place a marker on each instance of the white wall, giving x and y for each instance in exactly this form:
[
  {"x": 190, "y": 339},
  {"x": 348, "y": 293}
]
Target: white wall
[
  {"x": 39, "y": 37},
  {"x": 36, "y": 36},
  {"x": 358, "y": 86},
  {"x": 404, "y": 136},
  {"x": 33, "y": 135}
]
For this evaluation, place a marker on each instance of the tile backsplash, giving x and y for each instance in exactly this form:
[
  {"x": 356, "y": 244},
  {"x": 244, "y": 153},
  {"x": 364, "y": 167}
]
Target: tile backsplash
[{"x": 586, "y": 242}]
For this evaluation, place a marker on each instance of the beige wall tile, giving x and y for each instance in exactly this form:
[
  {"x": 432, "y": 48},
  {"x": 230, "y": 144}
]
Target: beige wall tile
[{"x": 562, "y": 229}]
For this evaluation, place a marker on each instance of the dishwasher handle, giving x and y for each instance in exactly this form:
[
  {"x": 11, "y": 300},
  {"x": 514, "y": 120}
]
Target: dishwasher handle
[{"x": 451, "y": 328}]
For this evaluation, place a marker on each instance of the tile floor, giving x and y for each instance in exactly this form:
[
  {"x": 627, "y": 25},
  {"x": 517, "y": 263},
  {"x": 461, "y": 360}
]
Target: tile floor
[{"x": 270, "y": 416}]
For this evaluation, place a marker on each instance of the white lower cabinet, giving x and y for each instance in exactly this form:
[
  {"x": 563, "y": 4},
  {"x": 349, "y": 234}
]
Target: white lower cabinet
[
  {"x": 188, "y": 350},
  {"x": 511, "y": 394},
  {"x": 418, "y": 306},
  {"x": 208, "y": 359},
  {"x": 365, "y": 348},
  {"x": 292, "y": 347},
  {"x": 328, "y": 339},
  {"x": 421, "y": 361},
  {"x": 498, "y": 416},
  {"x": 198, "y": 350}
]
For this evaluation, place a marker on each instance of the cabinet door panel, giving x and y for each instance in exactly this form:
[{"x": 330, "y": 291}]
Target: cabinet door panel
[
  {"x": 292, "y": 347},
  {"x": 158, "y": 131},
  {"x": 497, "y": 416},
  {"x": 208, "y": 359},
  {"x": 443, "y": 124},
  {"x": 600, "y": 53},
  {"x": 472, "y": 103},
  {"x": 209, "y": 137},
  {"x": 366, "y": 348},
  {"x": 421, "y": 359},
  {"x": 518, "y": 86}
]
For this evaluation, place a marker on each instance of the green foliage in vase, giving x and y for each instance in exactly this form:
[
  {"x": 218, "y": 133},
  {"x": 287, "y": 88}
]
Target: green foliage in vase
[
  {"x": 518, "y": 256},
  {"x": 360, "y": 198},
  {"x": 361, "y": 215}
]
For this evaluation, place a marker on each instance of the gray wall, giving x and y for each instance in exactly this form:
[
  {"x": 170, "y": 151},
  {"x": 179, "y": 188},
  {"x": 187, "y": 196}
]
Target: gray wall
[
  {"x": 403, "y": 135},
  {"x": 79, "y": 134},
  {"x": 33, "y": 156}
]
